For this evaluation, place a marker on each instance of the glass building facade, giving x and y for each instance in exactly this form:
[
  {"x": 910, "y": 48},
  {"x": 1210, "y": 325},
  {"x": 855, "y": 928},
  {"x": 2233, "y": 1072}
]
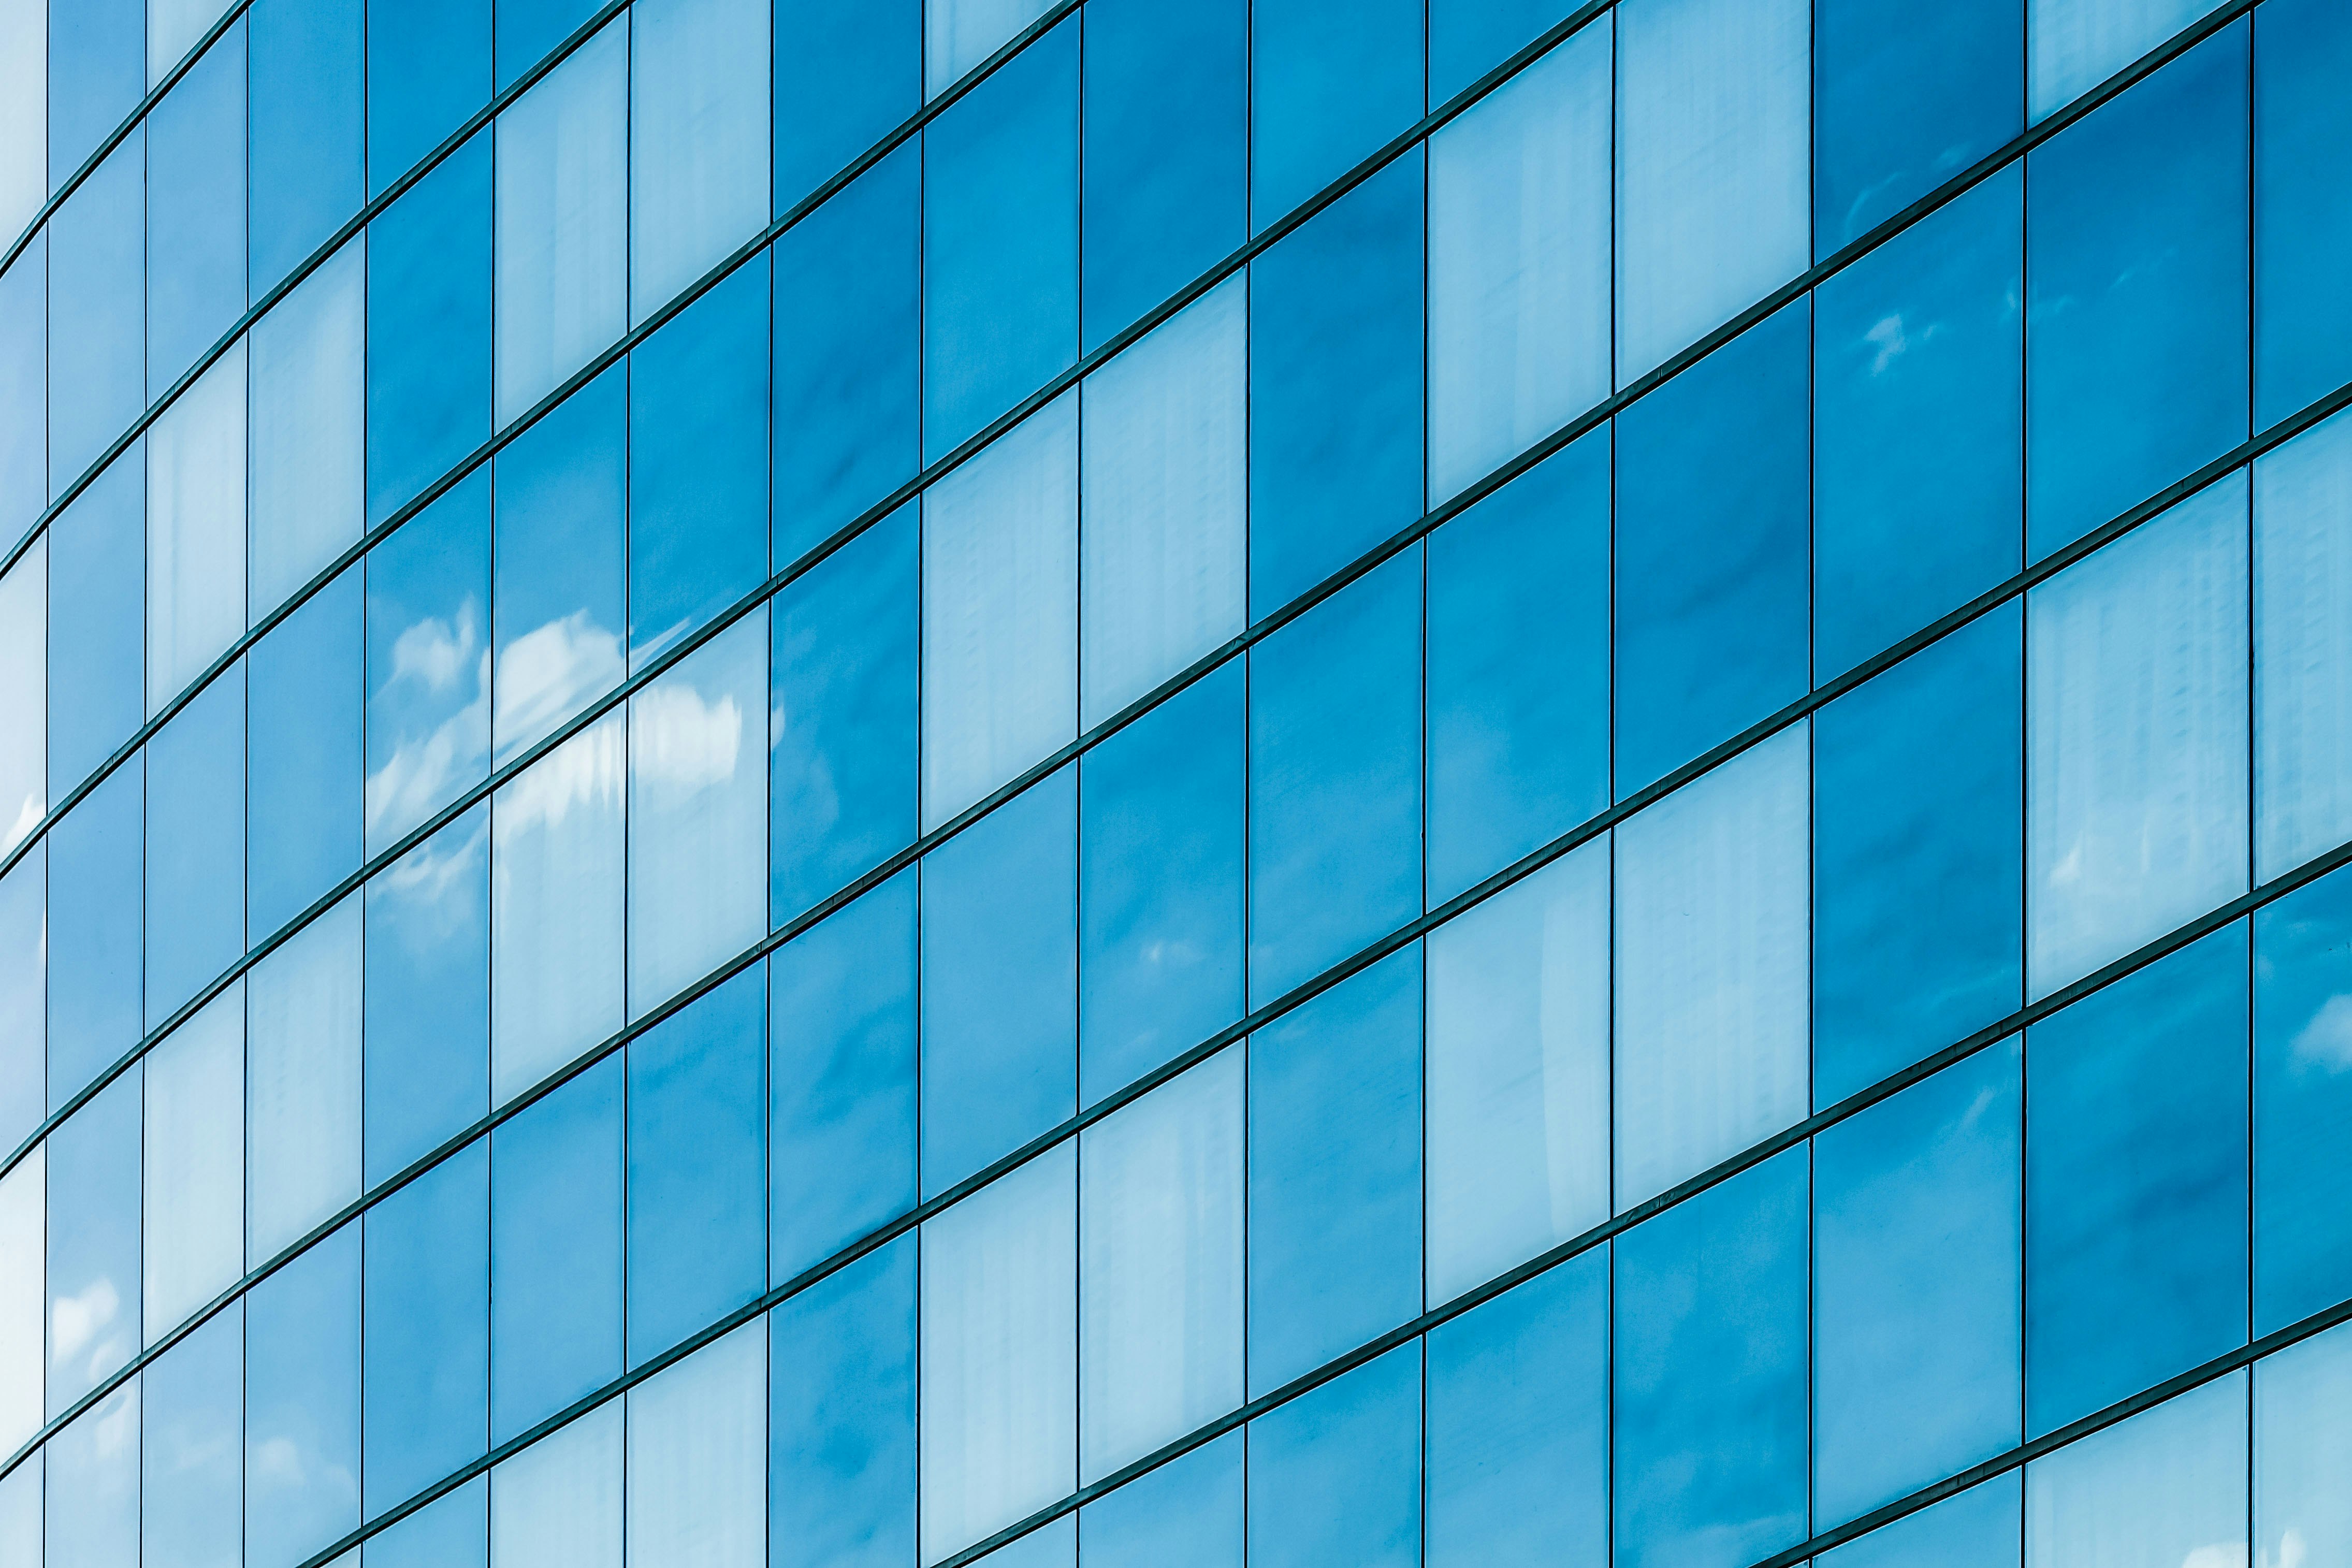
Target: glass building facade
[{"x": 1159, "y": 784}]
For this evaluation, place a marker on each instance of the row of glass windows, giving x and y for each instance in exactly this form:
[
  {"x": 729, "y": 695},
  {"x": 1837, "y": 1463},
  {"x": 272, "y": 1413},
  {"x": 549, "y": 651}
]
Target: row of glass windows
[
  {"x": 2129, "y": 1189},
  {"x": 924, "y": 301}
]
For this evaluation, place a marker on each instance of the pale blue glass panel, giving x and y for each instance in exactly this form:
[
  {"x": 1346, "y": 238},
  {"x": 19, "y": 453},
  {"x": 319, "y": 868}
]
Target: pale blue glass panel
[
  {"x": 194, "y": 1222},
  {"x": 556, "y": 1250},
  {"x": 24, "y": 112},
  {"x": 562, "y": 228},
  {"x": 1344, "y": 1461},
  {"x": 558, "y": 896},
  {"x": 1983, "y": 1527},
  {"x": 93, "y": 1242},
  {"x": 302, "y": 1081},
  {"x": 1518, "y": 1073},
  {"x": 1052, "y": 1545},
  {"x": 92, "y": 1479},
  {"x": 24, "y": 995},
  {"x": 2136, "y": 738},
  {"x": 302, "y": 1405},
  {"x": 842, "y": 1467},
  {"x": 960, "y": 33},
  {"x": 24, "y": 365},
  {"x": 427, "y": 1003},
  {"x": 1335, "y": 1163},
  {"x": 1000, "y": 1354},
  {"x": 1164, "y": 466},
  {"x": 428, "y": 662},
  {"x": 196, "y": 211},
  {"x": 698, "y": 1463},
  {"x": 698, "y": 132},
  {"x": 20, "y": 1512},
  {"x": 93, "y": 935},
  {"x": 1000, "y": 611},
  {"x": 557, "y": 1504},
  {"x": 841, "y": 1028},
  {"x": 1519, "y": 262},
  {"x": 1519, "y": 1425},
  {"x": 2303, "y": 1450},
  {"x": 174, "y": 26},
  {"x": 1917, "y": 1337},
  {"x": 309, "y": 427},
  {"x": 1331, "y": 80},
  {"x": 1714, "y": 997},
  {"x": 698, "y": 813},
  {"x": 195, "y": 842},
  {"x": 1160, "y": 1266},
  {"x": 192, "y": 1447},
  {"x": 2303, "y": 648},
  {"x": 425, "y": 1308},
  {"x": 24, "y": 694},
  {"x": 2169, "y": 1486},
  {"x": 1708, "y": 1382},
  {"x": 2303, "y": 1101},
  {"x": 97, "y": 605},
  {"x": 2072, "y": 46},
  {"x": 2302, "y": 224},
  {"x": 24, "y": 1299},
  {"x": 98, "y": 303},
  {"x": 195, "y": 529},
  {"x": 1187, "y": 1513},
  {"x": 452, "y": 1531},
  {"x": 1714, "y": 136}
]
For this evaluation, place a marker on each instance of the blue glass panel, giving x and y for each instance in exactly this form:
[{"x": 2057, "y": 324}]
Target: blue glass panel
[
  {"x": 555, "y": 1251},
  {"x": 93, "y": 1481},
  {"x": 1468, "y": 39},
  {"x": 1518, "y": 667},
  {"x": 1167, "y": 154},
  {"x": 309, "y": 62},
  {"x": 93, "y": 932},
  {"x": 848, "y": 299},
  {"x": 2303, "y": 1095},
  {"x": 699, "y": 463},
  {"x": 1160, "y": 890},
  {"x": 93, "y": 1242},
  {"x": 1188, "y": 1513},
  {"x": 1916, "y": 1333},
  {"x": 1918, "y": 426},
  {"x": 841, "y": 1479},
  {"x": 561, "y": 562},
  {"x": 1335, "y": 779},
  {"x": 2135, "y": 294},
  {"x": 845, "y": 72},
  {"x": 303, "y": 730},
  {"x": 426, "y": 998},
  {"x": 1712, "y": 550},
  {"x": 97, "y": 73},
  {"x": 24, "y": 389},
  {"x": 2302, "y": 221},
  {"x": 1335, "y": 386},
  {"x": 97, "y": 297},
  {"x": 192, "y": 1439},
  {"x": 698, "y": 1164},
  {"x": 1981, "y": 1527},
  {"x": 302, "y": 1405},
  {"x": 1346, "y": 1462},
  {"x": 1331, "y": 82},
  {"x": 2136, "y": 1182},
  {"x": 1519, "y": 1425},
  {"x": 1335, "y": 1171},
  {"x": 428, "y": 662},
  {"x": 842, "y": 1028},
  {"x": 428, "y": 65},
  {"x": 1001, "y": 241},
  {"x": 195, "y": 845},
  {"x": 98, "y": 621},
  {"x": 530, "y": 30},
  {"x": 195, "y": 211},
  {"x": 2074, "y": 45},
  {"x": 999, "y": 982},
  {"x": 846, "y": 717},
  {"x": 1710, "y": 1458},
  {"x": 1906, "y": 96},
  {"x": 427, "y": 1307},
  {"x": 1918, "y": 856},
  {"x": 453, "y": 1531},
  {"x": 428, "y": 330},
  {"x": 24, "y": 995}
]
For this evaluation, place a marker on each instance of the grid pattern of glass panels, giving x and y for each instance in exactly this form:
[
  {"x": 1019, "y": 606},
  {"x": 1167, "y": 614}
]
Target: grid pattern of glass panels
[{"x": 1164, "y": 782}]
